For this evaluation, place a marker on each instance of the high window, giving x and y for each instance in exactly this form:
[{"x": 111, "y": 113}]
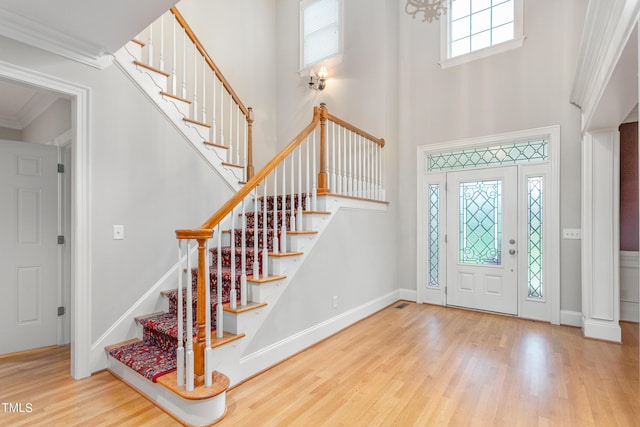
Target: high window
[
  {"x": 320, "y": 29},
  {"x": 478, "y": 28}
]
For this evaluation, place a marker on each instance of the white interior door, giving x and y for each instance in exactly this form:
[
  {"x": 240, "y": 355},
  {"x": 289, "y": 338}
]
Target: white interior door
[
  {"x": 481, "y": 239},
  {"x": 28, "y": 247}
]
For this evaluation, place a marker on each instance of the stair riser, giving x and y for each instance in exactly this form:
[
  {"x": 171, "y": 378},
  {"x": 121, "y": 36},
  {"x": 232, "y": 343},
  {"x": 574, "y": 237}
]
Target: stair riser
[
  {"x": 250, "y": 220},
  {"x": 226, "y": 261},
  {"x": 270, "y": 202}
]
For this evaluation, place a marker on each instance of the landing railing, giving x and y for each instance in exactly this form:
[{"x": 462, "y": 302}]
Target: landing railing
[
  {"x": 171, "y": 47},
  {"x": 329, "y": 151}
]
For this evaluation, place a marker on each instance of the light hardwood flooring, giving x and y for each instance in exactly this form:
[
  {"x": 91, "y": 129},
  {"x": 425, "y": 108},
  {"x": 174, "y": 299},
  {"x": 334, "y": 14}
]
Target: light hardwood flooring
[{"x": 417, "y": 366}]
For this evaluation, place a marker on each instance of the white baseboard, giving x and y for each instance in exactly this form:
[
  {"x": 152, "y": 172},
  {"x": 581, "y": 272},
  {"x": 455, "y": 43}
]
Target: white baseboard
[
  {"x": 408, "y": 294},
  {"x": 571, "y": 318},
  {"x": 630, "y": 311},
  {"x": 275, "y": 353},
  {"x": 602, "y": 330}
]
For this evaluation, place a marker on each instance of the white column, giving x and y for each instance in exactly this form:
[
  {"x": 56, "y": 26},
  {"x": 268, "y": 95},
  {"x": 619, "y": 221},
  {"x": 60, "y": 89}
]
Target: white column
[{"x": 600, "y": 235}]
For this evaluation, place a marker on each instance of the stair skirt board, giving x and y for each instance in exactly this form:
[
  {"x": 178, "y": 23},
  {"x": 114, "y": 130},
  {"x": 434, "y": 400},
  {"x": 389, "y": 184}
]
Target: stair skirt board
[
  {"x": 199, "y": 412},
  {"x": 152, "y": 86}
]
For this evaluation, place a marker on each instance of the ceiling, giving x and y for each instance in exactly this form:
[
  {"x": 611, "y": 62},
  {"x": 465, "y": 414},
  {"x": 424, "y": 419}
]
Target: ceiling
[
  {"x": 87, "y": 31},
  {"x": 84, "y": 30}
]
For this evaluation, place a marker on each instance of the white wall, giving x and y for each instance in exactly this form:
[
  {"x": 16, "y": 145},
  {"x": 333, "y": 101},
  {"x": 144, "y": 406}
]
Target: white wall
[
  {"x": 517, "y": 90},
  {"x": 53, "y": 122},
  {"x": 356, "y": 257},
  {"x": 144, "y": 175},
  {"x": 240, "y": 37}
]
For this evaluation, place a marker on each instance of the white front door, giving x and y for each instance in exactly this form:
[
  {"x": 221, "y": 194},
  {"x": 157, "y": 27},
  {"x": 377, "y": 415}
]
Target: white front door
[
  {"x": 28, "y": 246},
  {"x": 481, "y": 239}
]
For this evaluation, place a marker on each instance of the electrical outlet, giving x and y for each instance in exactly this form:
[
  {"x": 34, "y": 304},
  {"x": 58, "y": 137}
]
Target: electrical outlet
[
  {"x": 118, "y": 232},
  {"x": 335, "y": 302},
  {"x": 572, "y": 233}
]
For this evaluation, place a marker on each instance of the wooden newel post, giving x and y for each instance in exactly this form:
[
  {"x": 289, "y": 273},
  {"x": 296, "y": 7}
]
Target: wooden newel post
[
  {"x": 323, "y": 181},
  {"x": 250, "y": 170}
]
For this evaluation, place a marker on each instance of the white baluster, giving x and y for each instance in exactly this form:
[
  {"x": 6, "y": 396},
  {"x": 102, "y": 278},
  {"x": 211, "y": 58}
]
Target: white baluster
[
  {"x": 283, "y": 226},
  {"x": 232, "y": 142},
  {"x": 189, "y": 354},
  {"x": 256, "y": 237},
  {"x": 308, "y": 170},
  {"x": 195, "y": 83},
  {"x": 150, "y": 46},
  {"x": 219, "y": 308},
  {"x": 276, "y": 240},
  {"x": 314, "y": 175},
  {"x": 338, "y": 162},
  {"x": 243, "y": 259},
  {"x": 233, "y": 292},
  {"x": 161, "y": 43},
  {"x": 359, "y": 157},
  {"x": 246, "y": 148},
  {"x": 301, "y": 189},
  {"x": 265, "y": 248},
  {"x": 292, "y": 225},
  {"x": 334, "y": 183},
  {"x": 222, "y": 117},
  {"x": 382, "y": 190},
  {"x": 213, "y": 111},
  {"x": 180, "y": 350},
  {"x": 174, "y": 60},
  {"x": 184, "y": 64},
  {"x": 208, "y": 370},
  {"x": 237, "y": 133},
  {"x": 350, "y": 164},
  {"x": 204, "y": 91}
]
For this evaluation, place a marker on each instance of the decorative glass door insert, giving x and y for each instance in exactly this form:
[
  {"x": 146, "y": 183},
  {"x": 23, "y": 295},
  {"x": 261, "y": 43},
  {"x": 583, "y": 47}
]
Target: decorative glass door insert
[{"x": 480, "y": 230}]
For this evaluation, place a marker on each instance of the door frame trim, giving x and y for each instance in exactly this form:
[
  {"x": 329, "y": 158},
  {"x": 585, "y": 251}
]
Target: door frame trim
[
  {"x": 424, "y": 177},
  {"x": 80, "y": 240}
]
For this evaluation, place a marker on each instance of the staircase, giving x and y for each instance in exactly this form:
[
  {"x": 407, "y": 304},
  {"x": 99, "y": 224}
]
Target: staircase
[{"x": 234, "y": 267}]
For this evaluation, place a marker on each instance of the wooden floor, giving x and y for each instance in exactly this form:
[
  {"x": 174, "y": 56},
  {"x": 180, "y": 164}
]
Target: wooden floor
[{"x": 417, "y": 366}]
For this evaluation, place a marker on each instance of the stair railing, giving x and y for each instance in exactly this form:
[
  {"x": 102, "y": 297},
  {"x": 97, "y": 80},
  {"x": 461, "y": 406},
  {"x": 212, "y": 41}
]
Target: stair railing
[
  {"x": 171, "y": 46},
  {"x": 327, "y": 150}
]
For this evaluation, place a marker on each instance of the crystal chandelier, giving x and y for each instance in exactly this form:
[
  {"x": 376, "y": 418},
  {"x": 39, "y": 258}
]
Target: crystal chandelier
[{"x": 430, "y": 9}]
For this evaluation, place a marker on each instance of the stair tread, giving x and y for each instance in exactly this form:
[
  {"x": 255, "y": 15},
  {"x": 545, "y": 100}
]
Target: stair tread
[
  {"x": 244, "y": 308},
  {"x": 233, "y": 165},
  {"x": 213, "y": 144},
  {"x": 176, "y": 97},
  {"x": 195, "y": 122},
  {"x": 220, "y": 384},
  {"x": 150, "y": 68},
  {"x": 285, "y": 254},
  {"x": 146, "y": 359},
  {"x": 227, "y": 337},
  {"x": 266, "y": 279},
  {"x": 138, "y": 41}
]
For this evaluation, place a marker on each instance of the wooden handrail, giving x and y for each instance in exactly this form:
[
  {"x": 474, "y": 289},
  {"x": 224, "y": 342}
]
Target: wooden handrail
[
  {"x": 209, "y": 61},
  {"x": 261, "y": 175},
  {"x": 352, "y": 128}
]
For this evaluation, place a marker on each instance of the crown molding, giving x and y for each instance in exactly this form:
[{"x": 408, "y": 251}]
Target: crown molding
[
  {"x": 608, "y": 25},
  {"x": 35, "y": 34}
]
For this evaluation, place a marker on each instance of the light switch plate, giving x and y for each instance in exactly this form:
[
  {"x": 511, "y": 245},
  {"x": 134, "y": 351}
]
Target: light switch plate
[
  {"x": 572, "y": 233},
  {"x": 118, "y": 232}
]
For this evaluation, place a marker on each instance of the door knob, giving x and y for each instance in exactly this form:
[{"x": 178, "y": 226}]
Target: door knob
[
  {"x": 512, "y": 251},
  {"x": 512, "y": 241}
]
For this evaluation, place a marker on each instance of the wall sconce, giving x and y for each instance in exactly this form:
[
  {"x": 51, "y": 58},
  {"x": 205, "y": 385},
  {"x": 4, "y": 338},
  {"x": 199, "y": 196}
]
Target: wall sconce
[{"x": 318, "y": 81}]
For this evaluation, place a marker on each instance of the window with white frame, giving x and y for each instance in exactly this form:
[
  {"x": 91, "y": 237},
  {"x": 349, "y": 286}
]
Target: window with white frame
[
  {"x": 477, "y": 28},
  {"x": 320, "y": 30}
]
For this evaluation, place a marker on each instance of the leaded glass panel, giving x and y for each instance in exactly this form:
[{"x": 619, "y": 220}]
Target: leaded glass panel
[
  {"x": 481, "y": 222},
  {"x": 534, "y": 231},
  {"x": 434, "y": 202},
  {"x": 519, "y": 152}
]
